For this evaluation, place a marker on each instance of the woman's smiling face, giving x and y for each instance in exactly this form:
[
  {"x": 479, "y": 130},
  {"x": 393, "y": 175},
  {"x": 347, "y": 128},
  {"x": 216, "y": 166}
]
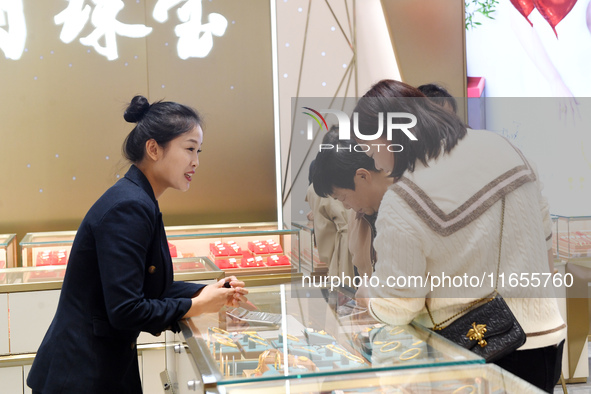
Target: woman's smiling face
[{"x": 178, "y": 162}]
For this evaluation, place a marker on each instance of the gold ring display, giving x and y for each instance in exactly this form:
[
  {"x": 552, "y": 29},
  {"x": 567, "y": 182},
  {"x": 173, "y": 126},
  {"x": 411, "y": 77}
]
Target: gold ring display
[
  {"x": 408, "y": 351},
  {"x": 384, "y": 346}
]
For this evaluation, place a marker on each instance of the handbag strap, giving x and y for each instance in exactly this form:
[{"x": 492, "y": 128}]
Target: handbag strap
[{"x": 483, "y": 300}]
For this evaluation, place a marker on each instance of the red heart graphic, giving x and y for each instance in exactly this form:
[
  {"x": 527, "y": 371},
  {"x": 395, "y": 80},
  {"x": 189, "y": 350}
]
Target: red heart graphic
[
  {"x": 554, "y": 10},
  {"x": 525, "y": 7}
]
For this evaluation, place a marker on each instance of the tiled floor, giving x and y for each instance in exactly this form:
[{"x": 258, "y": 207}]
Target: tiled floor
[{"x": 578, "y": 388}]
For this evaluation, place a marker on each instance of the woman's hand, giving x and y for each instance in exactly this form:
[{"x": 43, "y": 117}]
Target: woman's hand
[
  {"x": 239, "y": 295},
  {"x": 213, "y": 297}
]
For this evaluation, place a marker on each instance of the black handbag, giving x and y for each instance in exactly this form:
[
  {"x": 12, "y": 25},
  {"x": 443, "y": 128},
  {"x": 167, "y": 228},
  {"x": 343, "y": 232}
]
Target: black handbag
[{"x": 488, "y": 327}]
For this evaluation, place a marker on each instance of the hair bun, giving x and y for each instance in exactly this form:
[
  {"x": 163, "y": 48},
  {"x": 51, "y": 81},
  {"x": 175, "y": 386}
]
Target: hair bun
[{"x": 137, "y": 109}]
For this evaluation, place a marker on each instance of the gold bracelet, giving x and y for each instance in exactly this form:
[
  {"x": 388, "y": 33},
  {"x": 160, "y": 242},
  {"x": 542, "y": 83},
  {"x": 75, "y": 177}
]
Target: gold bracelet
[
  {"x": 413, "y": 356},
  {"x": 417, "y": 342},
  {"x": 253, "y": 334},
  {"x": 292, "y": 337},
  {"x": 391, "y": 349},
  {"x": 259, "y": 342},
  {"x": 219, "y": 330},
  {"x": 345, "y": 353},
  {"x": 222, "y": 340},
  {"x": 400, "y": 330},
  {"x": 471, "y": 386},
  {"x": 308, "y": 349}
]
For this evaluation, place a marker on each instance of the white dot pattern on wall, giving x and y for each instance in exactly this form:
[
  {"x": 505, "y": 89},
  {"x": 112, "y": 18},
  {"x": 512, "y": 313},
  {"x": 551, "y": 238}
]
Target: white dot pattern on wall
[
  {"x": 287, "y": 44},
  {"x": 107, "y": 158},
  {"x": 35, "y": 78},
  {"x": 300, "y": 9},
  {"x": 162, "y": 86},
  {"x": 51, "y": 52},
  {"x": 232, "y": 87},
  {"x": 41, "y": 57},
  {"x": 233, "y": 22},
  {"x": 40, "y": 190},
  {"x": 323, "y": 83},
  {"x": 28, "y": 166},
  {"x": 332, "y": 28},
  {"x": 70, "y": 65},
  {"x": 73, "y": 178},
  {"x": 165, "y": 44},
  {"x": 302, "y": 132},
  {"x": 323, "y": 53},
  {"x": 126, "y": 64},
  {"x": 57, "y": 155},
  {"x": 344, "y": 65},
  {"x": 301, "y": 212},
  {"x": 285, "y": 75}
]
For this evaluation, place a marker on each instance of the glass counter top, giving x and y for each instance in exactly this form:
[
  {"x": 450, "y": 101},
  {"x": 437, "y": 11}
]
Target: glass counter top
[
  {"x": 458, "y": 379},
  {"x": 311, "y": 332}
]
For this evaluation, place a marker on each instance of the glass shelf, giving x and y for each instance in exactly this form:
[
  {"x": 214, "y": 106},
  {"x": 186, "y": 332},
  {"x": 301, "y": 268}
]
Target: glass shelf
[{"x": 50, "y": 277}]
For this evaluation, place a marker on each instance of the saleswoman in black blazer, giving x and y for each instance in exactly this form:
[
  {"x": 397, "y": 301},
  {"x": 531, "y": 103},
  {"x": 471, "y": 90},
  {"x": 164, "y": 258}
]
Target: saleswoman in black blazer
[{"x": 119, "y": 279}]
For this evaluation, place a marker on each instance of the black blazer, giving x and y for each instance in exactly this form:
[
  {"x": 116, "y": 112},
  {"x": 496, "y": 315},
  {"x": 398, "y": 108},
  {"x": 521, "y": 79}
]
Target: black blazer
[{"x": 118, "y": 282}]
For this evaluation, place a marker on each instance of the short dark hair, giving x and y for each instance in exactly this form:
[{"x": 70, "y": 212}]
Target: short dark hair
[
  {"x": 336, "y": 167},
  {"x": 162, "y": 121},
  {"x": 436, "y": 130},
  {"x": 439, "y": 95}
]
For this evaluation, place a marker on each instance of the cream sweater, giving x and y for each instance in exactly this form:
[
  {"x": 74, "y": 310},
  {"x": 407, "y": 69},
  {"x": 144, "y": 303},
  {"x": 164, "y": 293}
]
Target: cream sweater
[{"x": 445, "y": 219}]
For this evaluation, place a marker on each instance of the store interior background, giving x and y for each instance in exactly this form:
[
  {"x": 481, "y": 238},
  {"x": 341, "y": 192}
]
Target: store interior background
[{"x": 61, "y": 104}]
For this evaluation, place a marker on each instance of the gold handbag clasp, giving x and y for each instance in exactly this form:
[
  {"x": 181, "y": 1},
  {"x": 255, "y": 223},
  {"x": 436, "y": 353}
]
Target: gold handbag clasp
[{"x": 476, "y": 333}]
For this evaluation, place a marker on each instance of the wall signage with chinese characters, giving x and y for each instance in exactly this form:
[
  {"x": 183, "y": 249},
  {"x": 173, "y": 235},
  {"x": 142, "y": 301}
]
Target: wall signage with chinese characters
[{"x": 195, "y": 38}]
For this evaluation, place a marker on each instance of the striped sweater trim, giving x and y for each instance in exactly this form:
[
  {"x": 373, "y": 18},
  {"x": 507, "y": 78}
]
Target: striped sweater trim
[{"x": 447, "y": 224}]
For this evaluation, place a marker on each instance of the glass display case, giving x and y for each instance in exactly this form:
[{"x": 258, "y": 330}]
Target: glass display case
[
  {"x": 47, "y": 248},
  {"x": 571, "y": 237},
  {"x": 8, "y": 251},
  {"x": 458, "y": 379},
  {"x": 309, "y": 256},
  {"x": 289, "y": 331},
  {"x": 236, "y": 249}
]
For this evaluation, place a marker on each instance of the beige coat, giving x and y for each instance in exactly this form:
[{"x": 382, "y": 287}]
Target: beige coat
[
  {"x": 330, "y": 230},
  {"x": 360, "y": 243}
]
